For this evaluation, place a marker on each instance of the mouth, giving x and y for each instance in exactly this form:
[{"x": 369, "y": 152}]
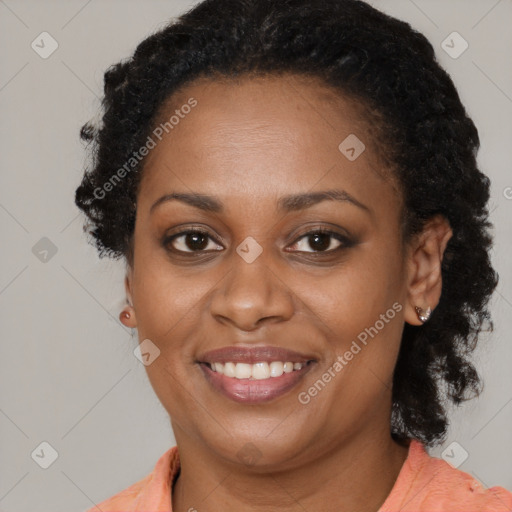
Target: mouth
[{"x": 254, "y": 374}]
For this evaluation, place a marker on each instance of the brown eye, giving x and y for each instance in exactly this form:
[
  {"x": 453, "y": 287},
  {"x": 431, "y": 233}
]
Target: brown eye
[
  {"x": 321, "y": 241},
  {"x": 190, "y": 241}
]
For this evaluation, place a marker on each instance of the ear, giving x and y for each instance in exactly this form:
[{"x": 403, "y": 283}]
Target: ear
[
  {"x": 128, "y": 286},
  {"x": 425, "y": 255}
]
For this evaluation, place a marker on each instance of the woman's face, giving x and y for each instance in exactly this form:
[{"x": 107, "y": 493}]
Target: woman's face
[{"x": 260, "y": 280}]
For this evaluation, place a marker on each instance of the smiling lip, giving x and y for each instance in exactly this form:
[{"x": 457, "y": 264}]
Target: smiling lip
[
  {"x": 252, "y": 355},
  {"x": 253, "y": 391}
]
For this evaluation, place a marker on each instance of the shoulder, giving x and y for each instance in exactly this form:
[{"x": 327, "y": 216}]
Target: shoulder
[
  {"x": 124, "y": 500},
  {"x": 428, "y": 483},
  {"x": 152, "y": 490}
]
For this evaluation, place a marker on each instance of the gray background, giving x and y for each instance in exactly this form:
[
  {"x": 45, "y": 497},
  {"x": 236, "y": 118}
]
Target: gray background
[{"x": 68, "y": 375}]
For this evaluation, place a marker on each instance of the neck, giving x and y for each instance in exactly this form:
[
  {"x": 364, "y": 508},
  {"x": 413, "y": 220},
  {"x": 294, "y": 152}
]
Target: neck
[{"x": 357, "y": 475}]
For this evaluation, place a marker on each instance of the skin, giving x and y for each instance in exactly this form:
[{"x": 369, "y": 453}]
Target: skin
[{"x": 248, "y": 142}]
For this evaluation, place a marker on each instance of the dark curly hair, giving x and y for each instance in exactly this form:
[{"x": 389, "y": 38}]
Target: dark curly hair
[{"x": 422, "y": 127}]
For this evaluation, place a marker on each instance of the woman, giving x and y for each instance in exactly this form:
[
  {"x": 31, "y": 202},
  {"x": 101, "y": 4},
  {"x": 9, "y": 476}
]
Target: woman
[{"x": 293, "y": 188}]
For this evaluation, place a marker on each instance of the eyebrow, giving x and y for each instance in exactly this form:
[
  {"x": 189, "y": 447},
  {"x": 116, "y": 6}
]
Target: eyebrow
[{"x": 290, "y": 203}]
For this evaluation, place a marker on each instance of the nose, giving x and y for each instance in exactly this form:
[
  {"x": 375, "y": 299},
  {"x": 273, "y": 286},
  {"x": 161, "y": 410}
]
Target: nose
[{"x": 252, "y": 294}]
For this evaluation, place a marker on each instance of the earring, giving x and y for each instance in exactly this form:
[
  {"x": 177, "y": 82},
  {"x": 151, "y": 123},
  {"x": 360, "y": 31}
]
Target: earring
[
  {"x": 423, "y": 314},
  {"x": 124, "y": 314}
]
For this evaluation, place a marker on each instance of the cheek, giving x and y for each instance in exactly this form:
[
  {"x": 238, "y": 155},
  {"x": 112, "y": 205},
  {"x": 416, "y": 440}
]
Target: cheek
[
  {"x": 362, "y": 319},
  {"x": 353, "y": 296},
  {"x": 360, "y": 308},
  {"x": 167, "y": 299}
]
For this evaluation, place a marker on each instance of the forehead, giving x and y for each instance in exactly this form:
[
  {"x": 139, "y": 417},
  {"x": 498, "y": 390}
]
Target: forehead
[
  {"x": 267, "y": 133},
  {"x": 265, "y": 104}
]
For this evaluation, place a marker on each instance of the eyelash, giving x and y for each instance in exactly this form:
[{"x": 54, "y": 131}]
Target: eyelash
[{"x": 345, "y": 242}]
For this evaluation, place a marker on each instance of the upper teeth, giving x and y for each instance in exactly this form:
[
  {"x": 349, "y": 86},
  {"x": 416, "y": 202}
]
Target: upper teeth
[{"x": 261, "y": 370}]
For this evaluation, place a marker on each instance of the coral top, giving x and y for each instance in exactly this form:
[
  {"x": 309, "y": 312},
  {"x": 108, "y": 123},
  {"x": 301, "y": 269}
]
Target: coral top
[{"x": 424, "y": 484}]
